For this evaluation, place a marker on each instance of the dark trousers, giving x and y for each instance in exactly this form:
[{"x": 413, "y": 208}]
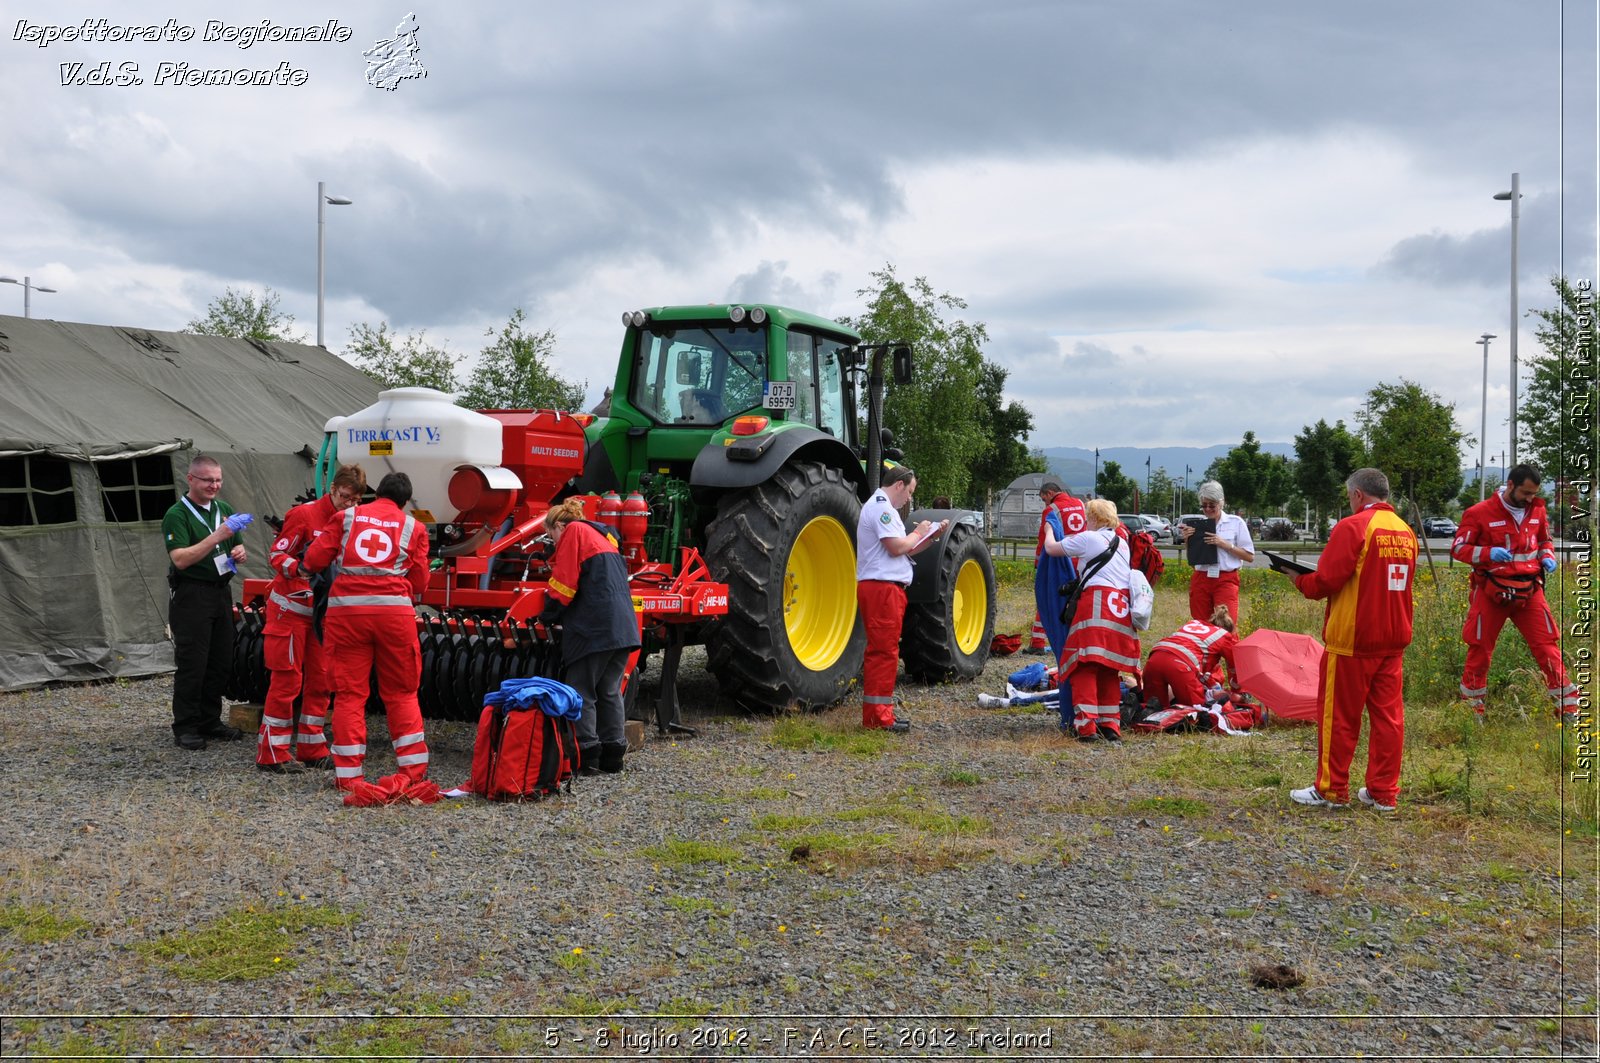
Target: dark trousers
[
  {"x": 597, "y": 677},
  {"x": 201, "y": 616}
]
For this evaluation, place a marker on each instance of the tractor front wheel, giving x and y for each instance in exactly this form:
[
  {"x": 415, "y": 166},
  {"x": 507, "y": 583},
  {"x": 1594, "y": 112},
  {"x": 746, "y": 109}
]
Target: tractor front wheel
[{"x": 786, "y": 550}]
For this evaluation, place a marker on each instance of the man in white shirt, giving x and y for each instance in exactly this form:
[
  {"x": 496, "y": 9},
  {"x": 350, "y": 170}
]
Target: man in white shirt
[
  {"x": 883, "y": 571},
  {"x": 1218, "y": 584}
]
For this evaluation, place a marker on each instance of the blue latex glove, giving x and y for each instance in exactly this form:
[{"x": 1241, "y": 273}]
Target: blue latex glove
[
  {"x": 1549, "y": 564},
  {"x": 1499, "y": 553},
  {"x": 239, "y": 522}
]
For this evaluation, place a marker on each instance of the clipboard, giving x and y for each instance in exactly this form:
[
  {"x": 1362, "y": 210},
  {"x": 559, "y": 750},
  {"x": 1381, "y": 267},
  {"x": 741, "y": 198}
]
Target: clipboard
[
  {"x": 1279, "y": 563},
  {"x": 1199, "y": 552}
]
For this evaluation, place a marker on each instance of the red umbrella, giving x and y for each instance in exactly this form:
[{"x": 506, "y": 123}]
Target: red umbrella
[{"x": 1282, "y": 670}]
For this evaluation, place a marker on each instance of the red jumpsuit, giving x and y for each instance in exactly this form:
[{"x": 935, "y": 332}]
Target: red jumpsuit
[
  {"x": 1483, "y": 527},
  {"x": 1101, "y": 642},
  {"x": 1366, "y": 574},
  {"x": 383, "y": 554},
  {"x": 1072, "y": 521},
  {"x": 1180, "y": 666},
  {"x": 297, "y": 659}
]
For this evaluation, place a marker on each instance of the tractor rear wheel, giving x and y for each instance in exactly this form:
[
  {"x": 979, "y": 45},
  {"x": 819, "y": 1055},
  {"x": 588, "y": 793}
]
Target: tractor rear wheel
[
  {"x": 786, "y": 550},
  {"x": 948, "y": 638}
]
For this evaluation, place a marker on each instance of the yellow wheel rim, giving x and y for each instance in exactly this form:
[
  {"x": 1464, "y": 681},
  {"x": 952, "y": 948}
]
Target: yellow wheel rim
[
  {"x": 819, "y": 593},
  {"x": 970, "y": 612}
]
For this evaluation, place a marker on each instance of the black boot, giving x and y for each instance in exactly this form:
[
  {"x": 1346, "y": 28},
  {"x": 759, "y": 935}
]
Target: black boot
[
  {"x": 611, "y": 757},
  {"x": 589, "y": 760}
]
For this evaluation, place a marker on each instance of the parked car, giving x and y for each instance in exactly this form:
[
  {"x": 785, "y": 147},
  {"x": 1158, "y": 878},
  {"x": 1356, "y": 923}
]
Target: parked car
[
  {"x": 1135, "y": 523},
  {"x": 1160, "y": 527},
  {"x": 1439, "y": 527}
]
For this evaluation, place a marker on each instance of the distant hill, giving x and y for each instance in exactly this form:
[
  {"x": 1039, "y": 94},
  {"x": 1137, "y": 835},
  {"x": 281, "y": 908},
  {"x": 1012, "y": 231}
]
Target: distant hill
[{"x": 1075, "y": 465}]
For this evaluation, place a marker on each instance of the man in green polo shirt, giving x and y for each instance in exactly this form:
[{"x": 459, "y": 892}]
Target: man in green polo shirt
[{"x": 202, "y": 536}]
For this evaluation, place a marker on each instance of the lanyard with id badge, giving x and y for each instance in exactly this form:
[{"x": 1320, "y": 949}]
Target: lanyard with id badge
[{"x": 224, "y": 563}]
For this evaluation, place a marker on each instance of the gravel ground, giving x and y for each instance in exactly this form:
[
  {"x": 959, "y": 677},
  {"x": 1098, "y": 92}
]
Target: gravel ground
[{"x": 979, "y": 886}]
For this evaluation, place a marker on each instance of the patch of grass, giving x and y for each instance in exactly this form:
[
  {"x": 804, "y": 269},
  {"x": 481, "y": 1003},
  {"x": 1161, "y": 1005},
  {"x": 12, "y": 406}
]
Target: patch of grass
[
  {"x": 249, "y": 943},
  {"x": 682, "y": 852},
  {"x": 930, "y": 821},
  {"x": 700, "y": 904},
  {"x": 782, "y": 823},
  {"x": 36, "y": 924},
  {"x": 1183, "y": 807},
  {"x": 76, "y": 1045},
  {"x": 961, "y": 777},
  {"x": 805, "y": 733},
  {"x": 576, "y": 960}
]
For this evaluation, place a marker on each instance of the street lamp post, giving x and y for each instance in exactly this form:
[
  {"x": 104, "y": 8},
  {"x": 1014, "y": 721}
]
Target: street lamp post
[
  {"x": 1483, "y": 417},
  {"x": 1186, "y": 471},
  {"x": 1094, "y": 488},
  {"x": 1515, "y": 196},
  {"x": 323, "y": 199},
  {"x": 27, "y": 287}
]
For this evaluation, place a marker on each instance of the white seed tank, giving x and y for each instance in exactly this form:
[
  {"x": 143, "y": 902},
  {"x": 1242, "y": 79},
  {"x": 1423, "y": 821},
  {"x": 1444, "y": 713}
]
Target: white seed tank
[{"x": 424, "y": 434}]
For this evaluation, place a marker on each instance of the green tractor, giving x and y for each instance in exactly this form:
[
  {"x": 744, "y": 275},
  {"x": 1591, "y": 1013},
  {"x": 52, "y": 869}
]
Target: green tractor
[{"x": 738, "y": 425}]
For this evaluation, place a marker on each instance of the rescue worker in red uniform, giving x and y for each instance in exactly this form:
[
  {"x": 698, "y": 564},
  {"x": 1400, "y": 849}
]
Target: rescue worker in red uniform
[
  {"x": 1070, "y": 512},
  {"x": 1506, "y": 540},
  {"x": 383, "y": 558},
  {"x": 588, "y": 596},
  {"x": 1366, "y": 574},
  {"x": 295, "y": 656},
  {"x": 1184, "y": 664},
  {"x": 1101, "y": 643},
  {"x": 883, "y": 571}
]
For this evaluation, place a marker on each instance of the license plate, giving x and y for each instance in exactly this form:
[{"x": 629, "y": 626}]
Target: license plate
[{"x": 779, "y": 395}]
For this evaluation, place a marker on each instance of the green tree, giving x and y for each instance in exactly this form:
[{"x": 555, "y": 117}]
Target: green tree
[
  {"x": 1158, "y": 499},
  {"x": 1250, "y": 478},
  {"x": 1324, "y": 458},
  {"x": 1114, "y": 484},
  {"x": 401, "y": 362},
  {"x": 1009, "y": 425},
  {"x": 244, "y": 316},
  {"x": 1414, "y": 440},
  {"x": 937, "y": 419},
  {"x": 1558, "y": 416},
  {"x": 515, "y": 373}
]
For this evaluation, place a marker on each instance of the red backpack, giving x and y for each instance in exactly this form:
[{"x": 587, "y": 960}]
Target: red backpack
[
  {"x": 1144, "y": 555},
  {"x": 522, "y": 754}
]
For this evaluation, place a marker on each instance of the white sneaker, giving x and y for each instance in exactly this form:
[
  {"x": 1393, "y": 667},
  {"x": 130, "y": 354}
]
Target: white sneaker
[
  {"x": 1309, "y": 796},
  {"x": 1372, "y": 802},
  {"x": 989, "y": 701}
]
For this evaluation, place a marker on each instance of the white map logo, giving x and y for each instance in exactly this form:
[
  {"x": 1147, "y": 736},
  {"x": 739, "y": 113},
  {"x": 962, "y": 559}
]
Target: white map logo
[{"x": 394, "y": 60}]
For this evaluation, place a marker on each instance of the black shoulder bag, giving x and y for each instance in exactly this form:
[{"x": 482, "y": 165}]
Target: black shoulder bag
[{"x": 1072, "y": 590}]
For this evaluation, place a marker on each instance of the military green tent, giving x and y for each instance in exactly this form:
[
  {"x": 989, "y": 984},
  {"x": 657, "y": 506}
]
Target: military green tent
[{"x": 97, "y": 427}]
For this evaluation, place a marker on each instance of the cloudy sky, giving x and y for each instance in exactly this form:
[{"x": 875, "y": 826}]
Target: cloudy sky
[{"x": 1179, "y": 220}]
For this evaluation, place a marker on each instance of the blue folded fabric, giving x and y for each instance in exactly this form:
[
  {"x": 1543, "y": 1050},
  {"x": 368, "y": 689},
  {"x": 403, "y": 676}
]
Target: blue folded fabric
[
  {"x": 552, "y": 697},
  {"x": 1035, "y": 676}
]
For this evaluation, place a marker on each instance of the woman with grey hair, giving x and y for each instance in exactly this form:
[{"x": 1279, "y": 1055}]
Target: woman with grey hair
[{"x": 1218, "y": 584}]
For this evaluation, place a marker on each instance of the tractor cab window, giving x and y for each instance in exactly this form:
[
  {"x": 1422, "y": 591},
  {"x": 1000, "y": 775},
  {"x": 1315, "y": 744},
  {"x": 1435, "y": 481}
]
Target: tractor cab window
[
  {"x": 699, "y": 375},
  {"x": 817, "y": 370},
  {"x": 831, "y": 384}
]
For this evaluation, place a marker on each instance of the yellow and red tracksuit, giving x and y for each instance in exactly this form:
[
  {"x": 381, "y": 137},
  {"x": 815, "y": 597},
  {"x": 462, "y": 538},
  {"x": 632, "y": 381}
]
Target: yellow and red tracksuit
[
  {"x": 1180, "y": 666},
  {"x": 1366, "y": 574},
  {"x": 297, "y": 659},
  {"x": 1073, "y": 520},
  {"x": 1483, "y": 527},
  {"x": 383, "y": 556}
]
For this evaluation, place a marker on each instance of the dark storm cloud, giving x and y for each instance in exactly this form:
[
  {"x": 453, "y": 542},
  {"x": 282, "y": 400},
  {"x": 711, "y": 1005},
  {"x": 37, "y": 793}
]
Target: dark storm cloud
[{"x": 1483, "y": 257}]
